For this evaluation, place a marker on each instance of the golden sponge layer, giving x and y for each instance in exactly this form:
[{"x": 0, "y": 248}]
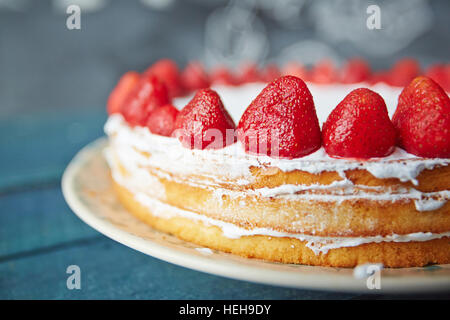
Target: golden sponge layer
[{"x": 289, "y": 250}]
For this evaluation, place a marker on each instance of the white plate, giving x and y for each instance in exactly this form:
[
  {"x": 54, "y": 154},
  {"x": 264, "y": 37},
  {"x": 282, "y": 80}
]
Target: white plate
[{"x": 87, "y": 188}]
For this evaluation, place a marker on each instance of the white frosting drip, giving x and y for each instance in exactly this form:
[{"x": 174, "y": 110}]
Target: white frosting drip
[{"x": 431, "y": 204}]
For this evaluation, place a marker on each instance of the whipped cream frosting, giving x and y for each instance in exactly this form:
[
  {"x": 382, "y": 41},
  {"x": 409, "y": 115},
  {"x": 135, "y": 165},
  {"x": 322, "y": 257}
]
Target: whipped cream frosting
[
  {"x": 233, "y": 164},
  {"x": 338, "y": 191}
]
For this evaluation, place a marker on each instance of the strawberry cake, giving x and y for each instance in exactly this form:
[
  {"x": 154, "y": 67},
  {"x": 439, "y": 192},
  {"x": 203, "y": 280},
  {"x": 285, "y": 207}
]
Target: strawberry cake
[{"x": 344, "y": 168}]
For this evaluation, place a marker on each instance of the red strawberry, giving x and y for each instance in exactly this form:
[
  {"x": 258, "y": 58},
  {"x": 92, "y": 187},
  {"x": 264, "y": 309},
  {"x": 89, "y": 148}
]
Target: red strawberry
[
  {"x": 221, "y": 75},
  {"x": 355, "y": 70},
  {"x": 194, "y": 77},
  {"x": 122, "y": 89},
  {"x": 377, "y": 77},
  {"x": 422, "y": 119},
  {"x": 297, "y": 70},
  {"x": 281, "y": 121},
  {"x": 162, "y": 120},
  {"x": 270, "y": 73},
  {"x": 204, "y": 122},
  {"x": 248, "y": 72},
  {"x": 359, "y": 127},
  {"x": 324, "y": 72},
  {"x": 167, "y": 71},
  {"x": 147, "y": 95},
  {"x": 403, "y": 72},
  {"x": 441, "y": 74}
]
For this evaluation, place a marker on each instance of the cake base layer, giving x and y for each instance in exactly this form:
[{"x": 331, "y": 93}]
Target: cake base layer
[{"x": 290, "y": 250}]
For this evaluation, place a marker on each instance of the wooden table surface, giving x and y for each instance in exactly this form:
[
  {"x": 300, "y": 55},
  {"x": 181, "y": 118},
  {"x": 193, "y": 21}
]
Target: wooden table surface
[{"x": 40, "y": 236}]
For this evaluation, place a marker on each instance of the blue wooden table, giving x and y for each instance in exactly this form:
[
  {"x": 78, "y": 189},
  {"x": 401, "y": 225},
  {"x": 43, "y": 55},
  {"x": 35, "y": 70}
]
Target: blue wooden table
[{"x": 40, "y": 236}]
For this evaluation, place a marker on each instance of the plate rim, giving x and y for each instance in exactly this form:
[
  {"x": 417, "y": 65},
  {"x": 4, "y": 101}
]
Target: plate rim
[{"x": 224, "y": 268}]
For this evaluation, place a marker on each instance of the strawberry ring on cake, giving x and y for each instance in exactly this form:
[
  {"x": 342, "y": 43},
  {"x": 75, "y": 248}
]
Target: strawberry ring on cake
[{"x": 250, "y": 169}]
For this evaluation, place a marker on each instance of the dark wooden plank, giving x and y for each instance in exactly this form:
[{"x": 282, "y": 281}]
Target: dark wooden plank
[
  {"x": 112, "y": 271},
  {"x": 40, "y": 237},
  {"x": 37, "y": 219},
  {"x": 36, "y": 148}
]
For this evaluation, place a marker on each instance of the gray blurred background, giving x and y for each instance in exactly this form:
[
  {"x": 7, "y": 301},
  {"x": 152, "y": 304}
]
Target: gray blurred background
[{"x": 46, "y": 67}]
